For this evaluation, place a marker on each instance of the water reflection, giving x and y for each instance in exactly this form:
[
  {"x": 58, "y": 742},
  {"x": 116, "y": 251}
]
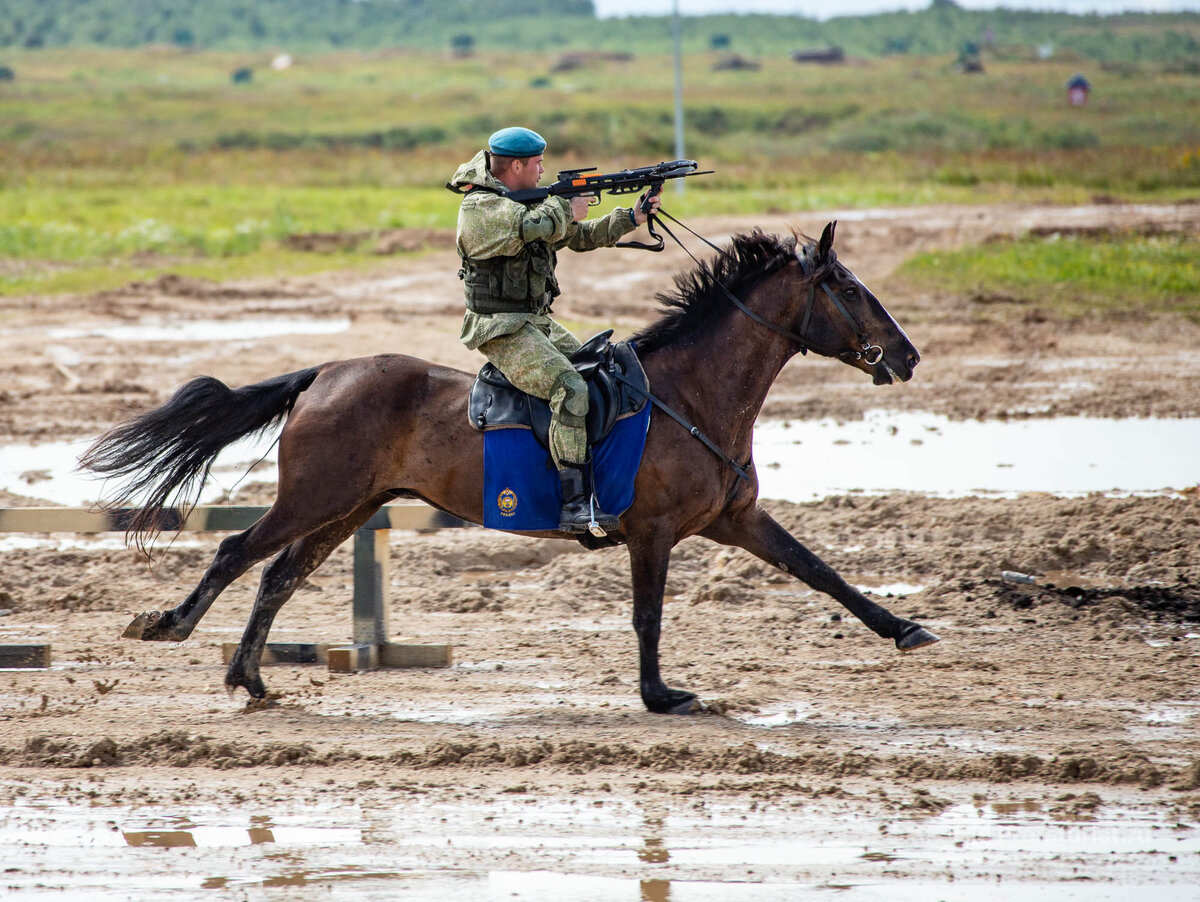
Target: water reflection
[
  {"x": 655, "y": 849},
  {"x": 166, "y": 839},
  {"x": 654, "y": 852},
  {"x": 223, "y": 836},
  {"x": 656, "y": 890}
]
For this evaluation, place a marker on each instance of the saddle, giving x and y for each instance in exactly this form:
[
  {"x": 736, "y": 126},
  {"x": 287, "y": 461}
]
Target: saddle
[{"x": 495, "y": 403}]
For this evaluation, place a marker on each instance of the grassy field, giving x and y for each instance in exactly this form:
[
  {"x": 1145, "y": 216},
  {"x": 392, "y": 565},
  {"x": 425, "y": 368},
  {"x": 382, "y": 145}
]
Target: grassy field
[
  {"x": 1072, "y": 276},
  {"x": 118, "y": 164}
]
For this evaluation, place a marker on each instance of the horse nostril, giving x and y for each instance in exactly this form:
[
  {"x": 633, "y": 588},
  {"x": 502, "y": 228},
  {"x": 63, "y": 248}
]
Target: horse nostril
[{"x": 912, "y": 359}]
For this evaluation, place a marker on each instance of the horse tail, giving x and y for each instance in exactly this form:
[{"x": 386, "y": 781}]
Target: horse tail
[{"x": 166, "y": 453}]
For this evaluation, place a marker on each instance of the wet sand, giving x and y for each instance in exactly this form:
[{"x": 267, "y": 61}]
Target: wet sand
[{"x": 1050, "y": 739}]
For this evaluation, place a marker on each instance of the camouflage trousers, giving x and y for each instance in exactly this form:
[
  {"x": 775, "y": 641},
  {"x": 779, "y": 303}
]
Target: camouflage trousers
[{"x": 534, "y": 359}]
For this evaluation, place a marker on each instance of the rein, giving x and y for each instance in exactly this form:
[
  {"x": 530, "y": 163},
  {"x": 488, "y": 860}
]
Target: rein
[{"x": 870, "y": 353}]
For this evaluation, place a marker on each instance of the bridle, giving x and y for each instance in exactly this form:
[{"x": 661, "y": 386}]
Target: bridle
[{"x": 871, "y": 354}]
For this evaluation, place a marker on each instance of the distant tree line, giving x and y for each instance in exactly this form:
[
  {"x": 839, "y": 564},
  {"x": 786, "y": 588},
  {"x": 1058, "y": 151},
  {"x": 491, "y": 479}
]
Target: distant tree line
[
  {"x": 551, "y": 25},
  {"x": 241, "y": 24}
]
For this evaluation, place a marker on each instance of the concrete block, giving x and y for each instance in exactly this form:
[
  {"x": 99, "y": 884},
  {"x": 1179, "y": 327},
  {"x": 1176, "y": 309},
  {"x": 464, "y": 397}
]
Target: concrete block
[
  {"x": 283, "y": 652},
  {"x": 30, "y": 656},
  {"x": 412, "y": 654},
  {"x": 349, "y": 658}
]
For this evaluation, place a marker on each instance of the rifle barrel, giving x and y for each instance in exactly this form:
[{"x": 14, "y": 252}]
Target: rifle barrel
[{"x": 573, "y": 182}]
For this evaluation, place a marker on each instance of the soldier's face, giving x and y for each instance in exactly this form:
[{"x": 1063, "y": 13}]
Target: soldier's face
[{"x": 528, "y": 172}]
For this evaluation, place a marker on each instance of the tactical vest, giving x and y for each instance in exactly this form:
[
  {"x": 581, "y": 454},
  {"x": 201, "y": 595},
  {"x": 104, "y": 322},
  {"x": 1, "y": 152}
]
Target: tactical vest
[{"x": 523, "y": 283}]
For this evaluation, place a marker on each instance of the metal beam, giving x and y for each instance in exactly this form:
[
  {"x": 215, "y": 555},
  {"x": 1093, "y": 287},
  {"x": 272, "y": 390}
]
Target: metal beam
[
  {"x": 370, "y": 609},
  {"x": 202, "y": 518},
  {"x": 370, "y": 606}
]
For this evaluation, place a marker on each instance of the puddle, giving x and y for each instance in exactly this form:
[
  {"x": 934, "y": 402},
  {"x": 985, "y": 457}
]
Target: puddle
[
  {"x": 777, "y": 715},
  {"x": 803, "y": 460},
  {"x": 47, "y": 471},
  {"x": 412, "y": 290},
  {"x": 522, "y": 664},
  {"x": 1171, "y": 714},
  {"x": 597, "y": 847},
  {"x": 207, "y": 330},
  {"x": 894, "y": 590}
]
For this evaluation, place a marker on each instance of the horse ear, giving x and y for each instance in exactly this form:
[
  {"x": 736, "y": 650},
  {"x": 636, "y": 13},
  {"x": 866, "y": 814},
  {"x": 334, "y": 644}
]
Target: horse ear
[{"x": 825, "y": 245}]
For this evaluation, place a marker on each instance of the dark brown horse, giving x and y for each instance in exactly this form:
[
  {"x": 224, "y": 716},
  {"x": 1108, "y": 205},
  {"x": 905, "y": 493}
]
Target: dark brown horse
[{"x": 362, "y": 432}]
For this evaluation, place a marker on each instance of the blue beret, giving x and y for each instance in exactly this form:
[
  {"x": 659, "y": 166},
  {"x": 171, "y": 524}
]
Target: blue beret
[{"x": 516, "y": 142}]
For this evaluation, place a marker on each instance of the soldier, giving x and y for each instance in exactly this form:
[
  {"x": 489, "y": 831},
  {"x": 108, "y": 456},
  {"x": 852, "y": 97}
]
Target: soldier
[{"x": 508, "y": 253}]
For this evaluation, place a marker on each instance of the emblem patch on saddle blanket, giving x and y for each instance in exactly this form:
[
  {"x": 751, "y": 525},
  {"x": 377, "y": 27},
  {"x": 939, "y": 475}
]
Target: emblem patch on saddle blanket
[
  {"x": 521, "y": 489},
  {"x": 506, "y": 502}
]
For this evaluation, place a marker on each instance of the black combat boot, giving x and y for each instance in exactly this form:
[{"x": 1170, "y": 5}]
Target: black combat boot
[{"x": 580, "y": 511}]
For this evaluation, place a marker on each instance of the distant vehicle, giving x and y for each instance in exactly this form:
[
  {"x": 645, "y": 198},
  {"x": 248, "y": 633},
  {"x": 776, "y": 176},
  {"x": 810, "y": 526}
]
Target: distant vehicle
[
  {"x": 828, "y": 56},
  {"x": 736, "y": 61}
]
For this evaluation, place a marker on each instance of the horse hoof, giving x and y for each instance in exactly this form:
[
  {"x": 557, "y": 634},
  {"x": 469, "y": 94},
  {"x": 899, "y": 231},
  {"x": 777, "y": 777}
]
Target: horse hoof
[
  {"x": 918, "y": 638},
  {"x": 692, "y": 705},
  {"x": 256, "y": 687},
  {"x": 144, "y": 626},
  {"x": 674, "y": 701},
  {"x": 270, "y": 700}
]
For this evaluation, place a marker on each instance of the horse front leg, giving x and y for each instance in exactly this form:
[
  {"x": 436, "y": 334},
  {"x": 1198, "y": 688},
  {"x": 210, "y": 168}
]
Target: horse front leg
[
  {"x": 648, "y": 561},
  {"x": 757, "y": 532}
]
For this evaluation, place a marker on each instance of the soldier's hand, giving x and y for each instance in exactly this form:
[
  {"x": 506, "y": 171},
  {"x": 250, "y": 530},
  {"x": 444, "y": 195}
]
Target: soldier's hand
[
  {"x": 579, "y": 208},
  {"x": 640, "y": 216}
]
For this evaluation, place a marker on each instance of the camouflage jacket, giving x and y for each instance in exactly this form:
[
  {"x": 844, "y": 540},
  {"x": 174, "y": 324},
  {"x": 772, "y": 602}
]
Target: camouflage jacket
[{"x": 490, "y": 225}]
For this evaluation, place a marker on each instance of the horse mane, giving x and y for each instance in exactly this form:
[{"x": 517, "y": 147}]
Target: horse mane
[{"x": 698, "y": 302}]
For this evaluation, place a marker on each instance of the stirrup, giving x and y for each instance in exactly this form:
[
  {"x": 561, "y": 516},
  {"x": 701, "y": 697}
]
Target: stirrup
[
  {"x": 593, "y": 527},
  {"x": 579, "y": 502}
]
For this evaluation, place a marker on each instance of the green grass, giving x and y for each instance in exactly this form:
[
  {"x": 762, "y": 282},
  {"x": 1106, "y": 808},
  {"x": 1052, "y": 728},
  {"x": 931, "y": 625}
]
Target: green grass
[
  {"x": 1071, "y": 276},
  {"x": 214, "y": 221},
  {"x": 108, "y": 158},
  {"x": 87, "y": 277}
]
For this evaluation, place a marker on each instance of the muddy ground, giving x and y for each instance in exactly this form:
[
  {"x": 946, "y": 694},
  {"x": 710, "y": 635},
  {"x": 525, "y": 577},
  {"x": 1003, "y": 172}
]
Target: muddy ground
[{"x": 1077, "y": 692}]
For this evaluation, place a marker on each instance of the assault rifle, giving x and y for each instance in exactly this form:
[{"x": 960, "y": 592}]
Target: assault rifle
[{"x": 575, "y": 183}]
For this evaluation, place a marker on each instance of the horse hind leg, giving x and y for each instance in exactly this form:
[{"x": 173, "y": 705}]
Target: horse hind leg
[
  {"x": 278, "y": 528},
  {"x": 235, "y": 555},
  {"x": 279, "y": 582}
]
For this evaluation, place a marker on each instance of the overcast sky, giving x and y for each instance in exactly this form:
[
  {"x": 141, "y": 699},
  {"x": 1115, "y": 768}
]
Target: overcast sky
[{"x": 824, "y": 9}]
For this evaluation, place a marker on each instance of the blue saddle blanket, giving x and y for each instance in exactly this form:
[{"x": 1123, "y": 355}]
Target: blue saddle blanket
[{"x": 521, "y": 489}]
